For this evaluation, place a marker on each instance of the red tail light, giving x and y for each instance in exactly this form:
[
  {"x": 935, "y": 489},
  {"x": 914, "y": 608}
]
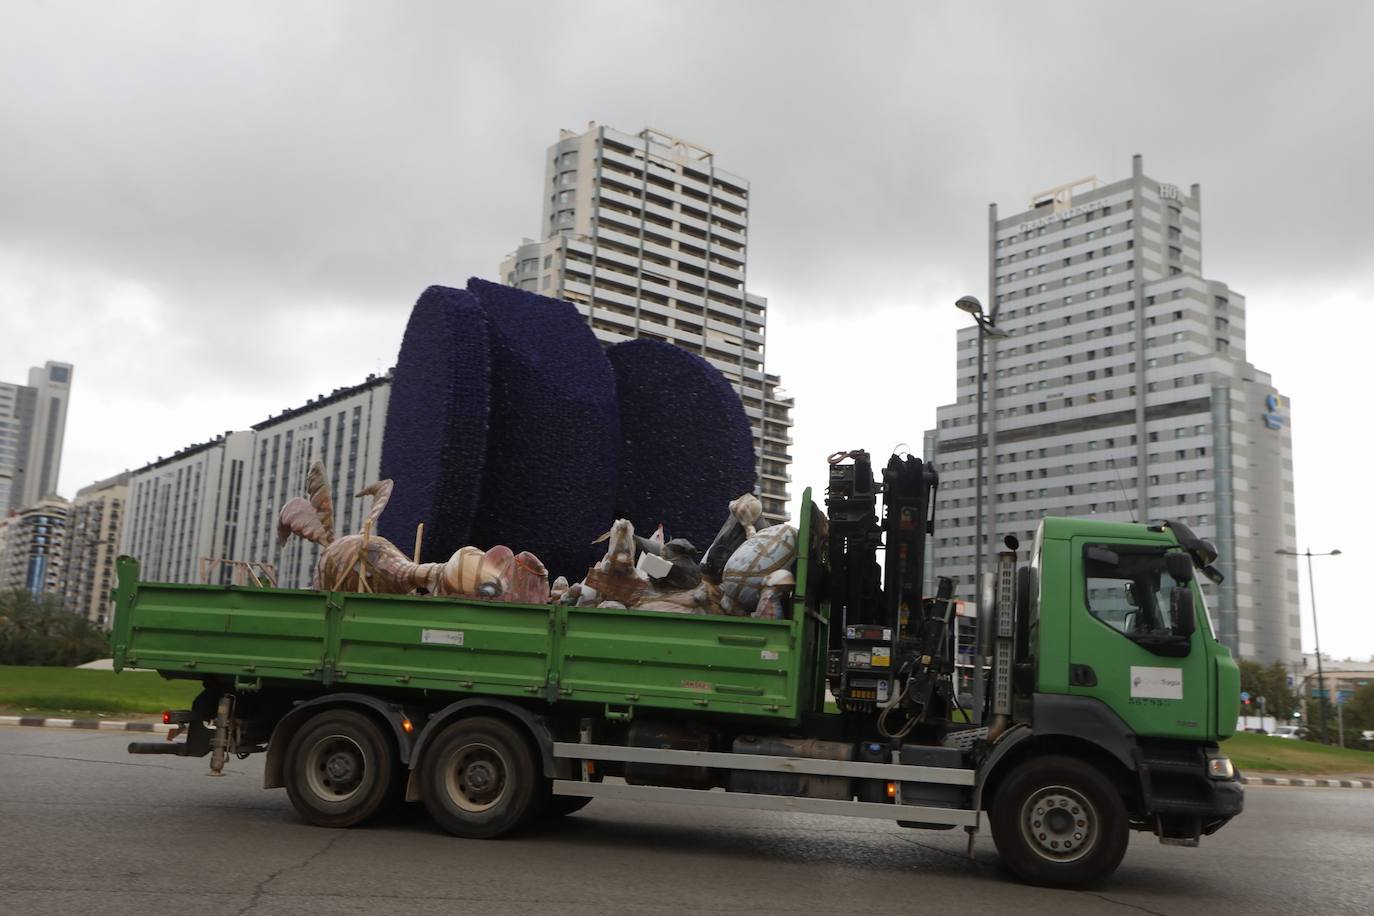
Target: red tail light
[{"x": 166, "y": 717}]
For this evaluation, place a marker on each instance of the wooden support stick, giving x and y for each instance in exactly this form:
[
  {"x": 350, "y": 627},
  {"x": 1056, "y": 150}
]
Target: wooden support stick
[
  {"x": 419, "y": 539},
  {"x": 362, "y": 557}
]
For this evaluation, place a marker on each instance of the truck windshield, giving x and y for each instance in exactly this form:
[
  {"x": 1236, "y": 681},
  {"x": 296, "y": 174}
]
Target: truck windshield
[{"x": 1132, "y": 595}]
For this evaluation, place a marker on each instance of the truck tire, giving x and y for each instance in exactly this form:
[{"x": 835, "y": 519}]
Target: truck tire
[
  {"x": 1059, "y": 822},
  {"x": 480, "y": 780},
  {"x": 340, "y": 769}
]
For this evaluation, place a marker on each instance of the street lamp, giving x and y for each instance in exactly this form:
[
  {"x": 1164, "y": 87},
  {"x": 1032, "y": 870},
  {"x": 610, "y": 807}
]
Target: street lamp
[
  {"x": 987, "y": 327},
  {"x": 1316, "y": 640}
]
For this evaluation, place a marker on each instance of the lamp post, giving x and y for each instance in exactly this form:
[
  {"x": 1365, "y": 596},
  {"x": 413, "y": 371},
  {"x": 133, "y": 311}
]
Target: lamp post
[
  {"x": 987, "y": 327},
  {"x": 1316, "y": 640}
]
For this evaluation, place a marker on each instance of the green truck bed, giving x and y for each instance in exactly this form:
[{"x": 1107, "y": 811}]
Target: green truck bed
[{"x": 621, "y": 659}]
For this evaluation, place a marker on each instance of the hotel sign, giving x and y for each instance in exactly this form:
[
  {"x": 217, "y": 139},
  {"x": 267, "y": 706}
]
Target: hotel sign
[
  {"x": 1272, "y": 418},
  {"x": 1056, "y": 217}
]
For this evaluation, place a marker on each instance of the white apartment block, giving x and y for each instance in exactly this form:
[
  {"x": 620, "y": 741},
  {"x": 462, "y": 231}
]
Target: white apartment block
[
  {"x": 193, "y": 516},
  {"x": 648, "y": 237},
  {"x": 1123, "y": 393},
  {"x": 95, "y": 523},
  {"x": 185, "y": 507},
  {"x": 33, "y": 423}
]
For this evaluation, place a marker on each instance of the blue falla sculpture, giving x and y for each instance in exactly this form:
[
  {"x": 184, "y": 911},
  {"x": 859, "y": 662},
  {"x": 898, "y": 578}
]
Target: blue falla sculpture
[{"x": 509, "y": 423}]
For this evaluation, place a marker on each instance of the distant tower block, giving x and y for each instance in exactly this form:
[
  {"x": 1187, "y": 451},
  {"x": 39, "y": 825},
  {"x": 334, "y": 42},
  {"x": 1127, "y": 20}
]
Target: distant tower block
[{"x": 648, "y": 236}]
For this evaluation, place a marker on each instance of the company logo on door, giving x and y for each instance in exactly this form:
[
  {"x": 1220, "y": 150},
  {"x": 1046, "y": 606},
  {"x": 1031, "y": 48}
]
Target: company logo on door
[{"x": 1157, "y": 683}]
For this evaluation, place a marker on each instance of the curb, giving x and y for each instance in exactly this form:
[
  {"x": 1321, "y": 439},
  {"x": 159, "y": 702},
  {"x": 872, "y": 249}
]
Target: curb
[
  {"x": 1308, "y": 783},
  {"x": 103, "y": 725}
]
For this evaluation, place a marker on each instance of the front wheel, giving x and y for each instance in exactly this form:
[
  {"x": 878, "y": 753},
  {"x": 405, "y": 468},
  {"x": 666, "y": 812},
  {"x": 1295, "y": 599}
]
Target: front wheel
[{"x": 1059, "y": 822}]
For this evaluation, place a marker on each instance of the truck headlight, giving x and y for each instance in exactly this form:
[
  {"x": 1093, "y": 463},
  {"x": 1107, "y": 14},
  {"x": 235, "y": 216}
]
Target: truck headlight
[{"x": 1220, "y": 768}]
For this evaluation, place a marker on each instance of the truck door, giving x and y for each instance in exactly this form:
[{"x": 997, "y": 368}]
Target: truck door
[{"x": 1122, "y": 647}]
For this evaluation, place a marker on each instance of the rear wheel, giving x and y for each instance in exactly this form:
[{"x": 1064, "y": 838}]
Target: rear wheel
[
  {"x": 1059, "y": 822},
  {"x": 340, "y": 769},
  {"x": 479, "y": 779}
]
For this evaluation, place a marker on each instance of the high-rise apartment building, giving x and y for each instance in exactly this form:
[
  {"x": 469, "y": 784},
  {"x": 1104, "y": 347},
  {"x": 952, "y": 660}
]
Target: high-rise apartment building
[
  {"x": 205, "y": 512},
  {"x": 33, "y": 547},
  {"x": 648, "y": 237},
  {"x": 33, "y": 423},
  {"x": 1123, "y": 392},
  {"x": 94, "y": 525}
]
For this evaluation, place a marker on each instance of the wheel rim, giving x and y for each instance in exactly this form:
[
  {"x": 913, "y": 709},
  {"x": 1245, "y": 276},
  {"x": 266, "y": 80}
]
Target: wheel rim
[
  {"x": 477, "y": 777},
  {"x": 1059, "y": 824},
  {"x": 335, "y": 768}
]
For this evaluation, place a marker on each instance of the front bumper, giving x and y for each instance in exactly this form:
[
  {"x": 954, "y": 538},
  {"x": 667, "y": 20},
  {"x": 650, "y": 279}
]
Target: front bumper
[{"x": 1181, "y": 802}]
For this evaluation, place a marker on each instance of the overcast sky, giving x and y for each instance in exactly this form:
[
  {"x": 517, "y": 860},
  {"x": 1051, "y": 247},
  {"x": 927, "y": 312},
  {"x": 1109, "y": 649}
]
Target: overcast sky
[{"x": 217, "y": 212}]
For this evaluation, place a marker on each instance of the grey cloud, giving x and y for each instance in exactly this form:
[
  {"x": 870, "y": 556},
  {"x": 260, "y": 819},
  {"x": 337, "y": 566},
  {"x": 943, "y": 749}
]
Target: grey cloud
[{"x": 351, "y": 152}]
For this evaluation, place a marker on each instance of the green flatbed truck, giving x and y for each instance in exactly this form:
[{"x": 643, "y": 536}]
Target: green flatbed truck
[{"x": 1107, "y": 692}]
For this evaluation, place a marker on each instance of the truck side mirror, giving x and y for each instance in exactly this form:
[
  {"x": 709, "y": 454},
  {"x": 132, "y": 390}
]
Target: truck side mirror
[
  {"x": 1182, "y": 618},
  {"x": 1180, "y": 567}
]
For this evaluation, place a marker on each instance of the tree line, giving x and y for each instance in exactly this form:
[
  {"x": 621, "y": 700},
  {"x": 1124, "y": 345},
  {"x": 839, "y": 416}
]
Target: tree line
[{"x": 41, "y": 631}]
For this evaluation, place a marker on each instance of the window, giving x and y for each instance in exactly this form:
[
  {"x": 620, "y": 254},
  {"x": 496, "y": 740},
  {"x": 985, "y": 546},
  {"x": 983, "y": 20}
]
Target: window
[{"x": 1131, "y": 595}]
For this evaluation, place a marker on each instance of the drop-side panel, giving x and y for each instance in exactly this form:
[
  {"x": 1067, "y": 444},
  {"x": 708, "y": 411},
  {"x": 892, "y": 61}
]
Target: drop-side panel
[
  {"x": 679, "y": 661},
  {"x": 212, "y": 629},
  {"x": 438, "y": 644}
]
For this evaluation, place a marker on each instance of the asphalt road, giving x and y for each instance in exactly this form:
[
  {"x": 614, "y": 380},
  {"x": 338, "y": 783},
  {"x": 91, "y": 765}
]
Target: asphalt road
[{"x": 84, "y": 828}]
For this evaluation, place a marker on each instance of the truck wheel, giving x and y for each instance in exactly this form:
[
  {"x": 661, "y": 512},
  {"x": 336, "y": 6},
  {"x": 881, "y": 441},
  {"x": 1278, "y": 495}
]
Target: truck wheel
[
  {"x": 1059, "y": 822},
  {"x": 339, "y": 769},
  {"x": 479, "y": 779}
]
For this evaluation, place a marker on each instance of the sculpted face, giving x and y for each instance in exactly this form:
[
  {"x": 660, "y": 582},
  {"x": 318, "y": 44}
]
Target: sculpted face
[{"x": 621, "y": 551}]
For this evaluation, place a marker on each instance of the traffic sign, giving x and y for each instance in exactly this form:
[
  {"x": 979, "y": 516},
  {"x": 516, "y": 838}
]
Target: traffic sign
[{"x": 1244, "y": 696}]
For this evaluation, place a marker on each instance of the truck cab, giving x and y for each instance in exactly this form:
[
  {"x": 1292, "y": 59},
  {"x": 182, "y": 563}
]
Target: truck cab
[{"x": 1116, "y": 664}]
